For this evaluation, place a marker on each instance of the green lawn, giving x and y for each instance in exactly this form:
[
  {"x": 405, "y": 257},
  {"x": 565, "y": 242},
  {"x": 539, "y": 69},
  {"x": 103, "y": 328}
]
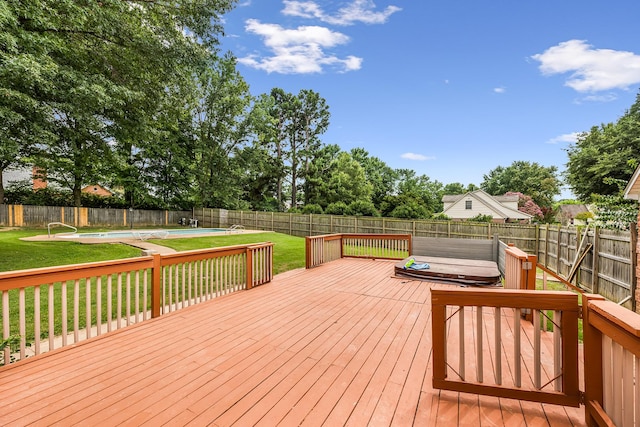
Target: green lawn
[
  {"x": 16, "y": 254},
  {"x": 288, "y": 251}
]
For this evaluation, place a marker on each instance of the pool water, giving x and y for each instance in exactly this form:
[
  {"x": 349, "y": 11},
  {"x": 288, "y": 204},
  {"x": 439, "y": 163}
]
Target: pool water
[{"x": 136, "y": 234}]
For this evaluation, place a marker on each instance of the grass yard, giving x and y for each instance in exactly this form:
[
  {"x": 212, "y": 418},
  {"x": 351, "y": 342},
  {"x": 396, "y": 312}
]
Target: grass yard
[
  {"x": 16, "y": 254},
  {"x": 288, "y": 251}
]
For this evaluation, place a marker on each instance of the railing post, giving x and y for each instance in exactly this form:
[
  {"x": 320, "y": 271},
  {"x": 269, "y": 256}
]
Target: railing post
[
  {"x": 156, "y": 285},
  {"x": 307, "y": 252},
  {"x": 593, "y": 384},
  {"x": 249, "y": 268}
]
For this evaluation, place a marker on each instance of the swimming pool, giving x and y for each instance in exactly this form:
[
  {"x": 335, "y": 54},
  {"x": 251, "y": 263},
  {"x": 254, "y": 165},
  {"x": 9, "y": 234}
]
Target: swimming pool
[{"x": 142, "y": 234}]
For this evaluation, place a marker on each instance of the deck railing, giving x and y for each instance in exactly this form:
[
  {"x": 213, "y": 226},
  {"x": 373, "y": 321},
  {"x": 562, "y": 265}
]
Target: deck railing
[
  {"x": 76, "y": 302},
  {"x": 611, "y": 364},
  {"x": 520, "y": 269},
  {"x": 326, "y": 248},
  {"x": 511, "y": 340}
]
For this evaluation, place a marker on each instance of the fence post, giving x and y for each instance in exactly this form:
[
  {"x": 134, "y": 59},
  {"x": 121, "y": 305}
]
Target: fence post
[
  {"x": 595, "y": 267},
  {"x": 546, "y": 246},
  {"x": 156, "y": 286}
]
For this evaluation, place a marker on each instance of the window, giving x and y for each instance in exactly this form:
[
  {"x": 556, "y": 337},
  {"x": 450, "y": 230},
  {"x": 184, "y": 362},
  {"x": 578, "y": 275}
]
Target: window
[{"x": 467, "y": 204}]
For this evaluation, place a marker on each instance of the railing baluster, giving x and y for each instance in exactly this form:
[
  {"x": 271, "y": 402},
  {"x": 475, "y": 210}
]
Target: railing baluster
[
  {"x": 145, "y": 282},
  {"x": 63, "y": 305},
  {"x": 109, "y": 302},
  {"x": 36, "y": 318},
  {"x": 517, "y": 371},
  {"x": 628, "y": 379},
  {"x": 119, "y": 301},
  {"x": 479, "y": 346},
  {"x": 23, "y": 323},
  {"x": 498, "y": 344},
  {"x": 607, "y": 374},
  {"x": 462, "y": 356},
  {"x": 537, "y": 374},
  {"x": 616, "y": 358},
  {"x": 6, "y": 326},
  {"x": 87, "y": 306},
  {"x": 128, "y": 301},
  {"x": 76, "y": 311},
  {"x": 52, "y": 317},
  {"x": 99, "y": 305},
  {"x": 557, "y": 349},
  {"x": 137, "y": 297}
]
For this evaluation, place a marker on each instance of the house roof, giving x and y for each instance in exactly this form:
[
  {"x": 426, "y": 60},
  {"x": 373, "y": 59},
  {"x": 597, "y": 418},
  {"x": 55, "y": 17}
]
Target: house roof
[
  {"x": 493, "y": 203},
  {"x": 571, "y": 211},
  {"x": 632, "y": 191}
]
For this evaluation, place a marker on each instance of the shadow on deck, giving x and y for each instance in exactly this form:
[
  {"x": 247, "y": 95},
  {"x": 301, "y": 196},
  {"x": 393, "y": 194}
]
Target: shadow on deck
[{"x": 344, "y": 343}]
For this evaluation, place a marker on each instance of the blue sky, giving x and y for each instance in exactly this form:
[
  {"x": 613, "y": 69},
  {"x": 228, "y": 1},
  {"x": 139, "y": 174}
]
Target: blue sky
[{"x": 451, "y": 89}]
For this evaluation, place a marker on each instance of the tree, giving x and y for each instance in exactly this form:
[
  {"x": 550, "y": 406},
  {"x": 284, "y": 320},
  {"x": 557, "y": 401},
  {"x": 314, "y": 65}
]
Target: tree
[
  {"x": 530, "y": 178},
  {"x": 96, "y": 72},
  {"x": 347, "y": 182},
  {"x": 382, "y": 177},
  {"x": 221, "y": 132},
  {"x": 527, "y": 205},
  {"x": 605, "y": 157},
  {"x": 297, "y": 121}
]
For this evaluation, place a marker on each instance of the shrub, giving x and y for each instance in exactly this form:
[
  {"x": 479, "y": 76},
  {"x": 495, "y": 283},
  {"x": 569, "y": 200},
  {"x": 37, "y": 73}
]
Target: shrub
[
  {"x": 363, "y": 208},
  {"x": 481, "y": 218},
  {"x": 337, "y": 208},
  {"x": 312, "y": 208}
]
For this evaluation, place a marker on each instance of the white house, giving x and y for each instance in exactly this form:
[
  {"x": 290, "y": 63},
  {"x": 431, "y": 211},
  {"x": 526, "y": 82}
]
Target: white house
[{"x": 472, "y": 204}]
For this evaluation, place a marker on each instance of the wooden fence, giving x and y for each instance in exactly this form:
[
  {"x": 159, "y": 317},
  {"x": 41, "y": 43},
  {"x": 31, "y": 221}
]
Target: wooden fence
[
  {"x": 607, "y": 259},
  {"x": 40, "y": 216},
  {"x": 302, "y": 225}
]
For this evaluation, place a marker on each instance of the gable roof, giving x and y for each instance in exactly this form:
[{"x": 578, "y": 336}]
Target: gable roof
[
  {"x": 632, "y": 190},
  {"x": 494, "y": 204}
]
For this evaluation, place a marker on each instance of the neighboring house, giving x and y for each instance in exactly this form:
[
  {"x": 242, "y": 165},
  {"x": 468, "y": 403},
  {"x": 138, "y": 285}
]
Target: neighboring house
[
  {"x": 30, "y": 175},
  {"x": 479, "y": 202},
  {"x": 98, "y": 190},
  {"x": 632, "y": 190},
  {"x": 567, "y": 214}
]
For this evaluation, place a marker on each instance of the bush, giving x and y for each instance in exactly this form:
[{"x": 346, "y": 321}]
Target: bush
[
  {"x": 441, "y": 217},
  {"x": 312, "y": 208},
  {"x": 363, "y": 208},
  {"x": 410, "y": 210},
  {"x": 337, "y": 208},
  {"x": 481, "y": 218}
]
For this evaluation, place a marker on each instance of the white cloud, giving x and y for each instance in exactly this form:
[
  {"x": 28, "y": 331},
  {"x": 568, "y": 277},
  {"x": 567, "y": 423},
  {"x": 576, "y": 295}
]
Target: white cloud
[
  {"x": 567, "y": 137},
  {"x": 357, "y": 11},
  {"x": 500, "y": 89},
  {"x": 300, "y": 50},
  {"x": 607, "y": 97},
  {"x": 592, "y": 70},
  {"x": 414, "y": 156}
]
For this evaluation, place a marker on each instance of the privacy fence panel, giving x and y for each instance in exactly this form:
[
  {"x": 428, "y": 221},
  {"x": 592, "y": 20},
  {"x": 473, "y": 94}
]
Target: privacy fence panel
[{"x": 605, "y": 259}]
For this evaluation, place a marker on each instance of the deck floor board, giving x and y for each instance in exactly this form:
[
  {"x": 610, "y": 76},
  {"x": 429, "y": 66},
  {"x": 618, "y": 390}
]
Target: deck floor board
[{"x": 345, "y": 343}]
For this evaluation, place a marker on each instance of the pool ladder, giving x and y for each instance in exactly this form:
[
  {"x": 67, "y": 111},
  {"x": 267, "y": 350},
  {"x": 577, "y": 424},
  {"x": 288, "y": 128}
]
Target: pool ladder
[{"x": 62, "y": 224}]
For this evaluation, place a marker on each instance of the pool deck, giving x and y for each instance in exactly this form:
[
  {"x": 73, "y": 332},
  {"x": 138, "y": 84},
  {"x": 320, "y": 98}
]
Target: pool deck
[{"x": 135, "y": 242}]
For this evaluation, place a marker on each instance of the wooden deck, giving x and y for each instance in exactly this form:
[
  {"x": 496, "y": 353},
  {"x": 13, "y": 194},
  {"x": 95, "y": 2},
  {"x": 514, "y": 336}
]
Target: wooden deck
[{"x": 341, "y": 344}]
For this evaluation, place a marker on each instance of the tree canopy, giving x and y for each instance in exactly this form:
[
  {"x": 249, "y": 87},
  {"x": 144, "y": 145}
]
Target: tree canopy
[
  {"x": 603, "y": 159},
  {"x": 530, "y": 178}
]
